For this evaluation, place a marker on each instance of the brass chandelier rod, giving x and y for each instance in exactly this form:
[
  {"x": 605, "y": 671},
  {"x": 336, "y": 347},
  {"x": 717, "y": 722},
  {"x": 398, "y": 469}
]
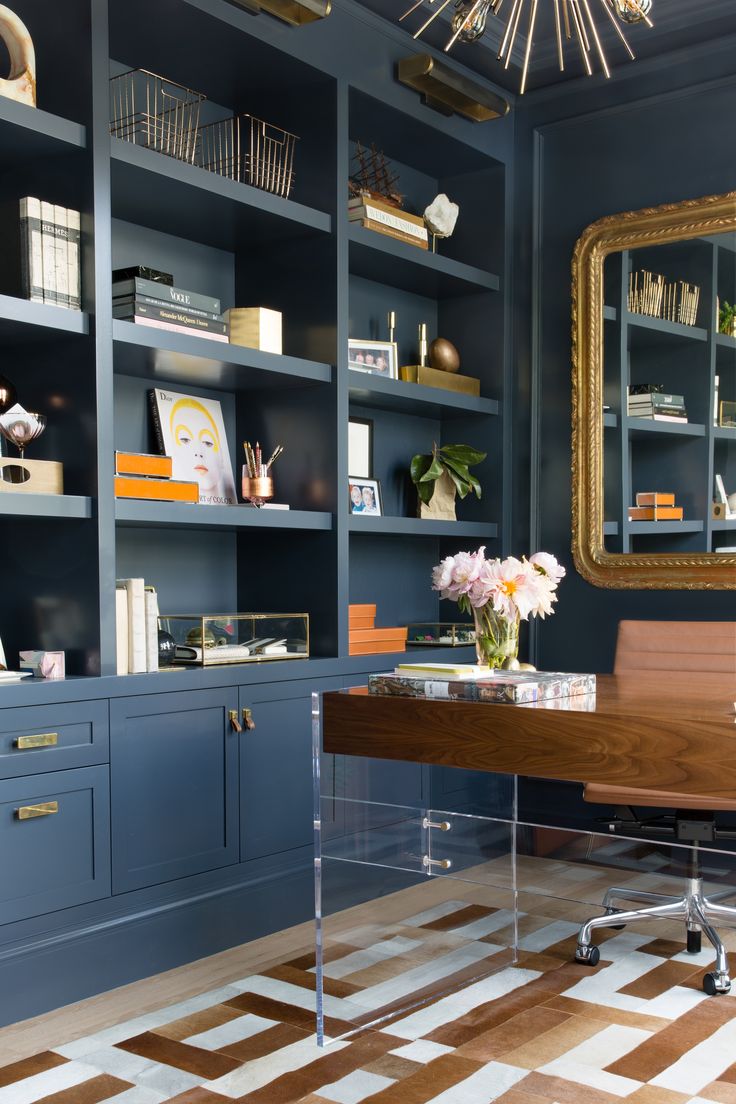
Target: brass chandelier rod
[{"x": 573, "y": 19}]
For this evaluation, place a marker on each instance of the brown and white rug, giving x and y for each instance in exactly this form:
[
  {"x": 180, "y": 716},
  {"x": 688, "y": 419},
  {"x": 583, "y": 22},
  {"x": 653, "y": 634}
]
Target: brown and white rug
[{"x": 637, "y": 1029}]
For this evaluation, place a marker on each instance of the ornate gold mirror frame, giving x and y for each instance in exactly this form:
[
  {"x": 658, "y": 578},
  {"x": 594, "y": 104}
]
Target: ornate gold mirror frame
[{"x": 651, "y": 226}]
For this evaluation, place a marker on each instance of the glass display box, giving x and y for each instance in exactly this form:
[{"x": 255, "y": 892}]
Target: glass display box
[
  {"x": 204, "y": 641},
  {"x": 447, "y": 634}
]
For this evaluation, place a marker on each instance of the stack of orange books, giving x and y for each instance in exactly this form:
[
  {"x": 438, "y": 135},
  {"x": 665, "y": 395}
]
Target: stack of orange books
[
  {"x": 144, "y": 475},
  {"x": 655, "y": 506},
  {"x": 365, "y": 639}
]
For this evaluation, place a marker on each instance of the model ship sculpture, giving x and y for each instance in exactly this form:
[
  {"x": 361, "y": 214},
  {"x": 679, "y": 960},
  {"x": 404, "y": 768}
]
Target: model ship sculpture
[{"x": 374, "y": 177}]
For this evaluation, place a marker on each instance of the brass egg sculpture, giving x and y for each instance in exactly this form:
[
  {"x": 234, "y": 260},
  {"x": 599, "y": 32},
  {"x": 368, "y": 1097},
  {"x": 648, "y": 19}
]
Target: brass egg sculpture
[{"x": 444, "y": 356}]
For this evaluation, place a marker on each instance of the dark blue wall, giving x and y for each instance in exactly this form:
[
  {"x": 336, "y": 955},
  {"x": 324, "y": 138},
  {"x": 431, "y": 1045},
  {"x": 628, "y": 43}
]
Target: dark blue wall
[{"x": 652, "y": 135}]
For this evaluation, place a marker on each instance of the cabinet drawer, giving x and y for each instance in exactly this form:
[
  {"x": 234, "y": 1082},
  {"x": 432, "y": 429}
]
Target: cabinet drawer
[
  {"x": 54, "y": 842},
  {"x": 53, "y": 737}
]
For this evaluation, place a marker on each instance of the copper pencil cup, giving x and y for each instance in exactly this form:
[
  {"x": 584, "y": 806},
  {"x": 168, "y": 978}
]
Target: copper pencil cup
[{"x": 258, "y": 490}]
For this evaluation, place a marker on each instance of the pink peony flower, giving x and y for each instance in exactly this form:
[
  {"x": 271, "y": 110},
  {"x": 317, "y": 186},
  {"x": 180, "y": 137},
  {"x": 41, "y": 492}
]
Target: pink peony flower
[
  {"x": 456, "y": 574},
  {"x": 545, "y": 563}
]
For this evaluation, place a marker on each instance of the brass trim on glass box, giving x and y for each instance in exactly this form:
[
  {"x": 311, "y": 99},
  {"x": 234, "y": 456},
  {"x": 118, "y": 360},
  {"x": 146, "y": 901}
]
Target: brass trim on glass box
[
  {"x": 42, "y": 739},
  {"x": 672, "y": 222}
]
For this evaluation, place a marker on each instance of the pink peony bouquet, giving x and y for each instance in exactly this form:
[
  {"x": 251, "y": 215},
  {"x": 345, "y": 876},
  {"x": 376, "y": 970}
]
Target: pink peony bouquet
[{"x": 499, "y": 594}]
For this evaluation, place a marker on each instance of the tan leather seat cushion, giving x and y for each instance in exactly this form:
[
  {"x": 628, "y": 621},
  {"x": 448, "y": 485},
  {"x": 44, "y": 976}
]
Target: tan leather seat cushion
[
  {"x": 687, "y": 646},
  {"x": 602, "y": 794}
]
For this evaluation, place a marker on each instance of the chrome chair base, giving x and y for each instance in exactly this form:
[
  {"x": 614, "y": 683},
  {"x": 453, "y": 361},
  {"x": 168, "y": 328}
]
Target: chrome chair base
[{"x": 694, "y": 908}]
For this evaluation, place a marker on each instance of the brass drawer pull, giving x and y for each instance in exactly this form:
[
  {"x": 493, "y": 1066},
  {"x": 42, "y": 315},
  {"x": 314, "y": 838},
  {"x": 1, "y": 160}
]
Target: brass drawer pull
[
  {"x": 43, "y": 739},
  {"x": 27, "y": 812}
]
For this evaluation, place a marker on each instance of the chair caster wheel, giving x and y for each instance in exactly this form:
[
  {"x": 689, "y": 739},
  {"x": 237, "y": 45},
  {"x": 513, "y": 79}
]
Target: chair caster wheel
[
  {"x": 587, "y": 955},
  {"x": 716, "y": 985},
  {"x": 612, "y": 912},
  {"x": 693, "y": 942}
]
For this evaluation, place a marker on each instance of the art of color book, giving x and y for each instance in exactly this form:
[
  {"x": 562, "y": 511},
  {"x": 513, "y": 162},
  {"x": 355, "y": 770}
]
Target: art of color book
[{"x": 190, "y": 430}]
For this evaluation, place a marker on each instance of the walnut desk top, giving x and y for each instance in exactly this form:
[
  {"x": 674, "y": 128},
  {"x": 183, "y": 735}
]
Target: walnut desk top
[{"x": 653, "y": 730}]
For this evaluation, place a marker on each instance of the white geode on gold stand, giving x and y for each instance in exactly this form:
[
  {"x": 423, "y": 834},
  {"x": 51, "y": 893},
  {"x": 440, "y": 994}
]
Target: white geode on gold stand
[
  {"x": 20, "y": 84},
  {"x": 441, "y": 216}
]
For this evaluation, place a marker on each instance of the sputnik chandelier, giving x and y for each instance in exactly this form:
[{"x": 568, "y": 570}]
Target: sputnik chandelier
[{"x": 573, "y": 19}]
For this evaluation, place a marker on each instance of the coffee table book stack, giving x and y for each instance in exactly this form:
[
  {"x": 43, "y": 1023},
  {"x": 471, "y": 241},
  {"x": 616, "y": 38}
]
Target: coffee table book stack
[
  {"x": 365, "y": 639},
  {"x": 468, "y": 682},
  {"x": 156, "y": 302}
]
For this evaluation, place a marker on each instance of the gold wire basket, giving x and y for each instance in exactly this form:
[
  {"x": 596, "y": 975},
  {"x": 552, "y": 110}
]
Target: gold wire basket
[
  {"x": 250, "y": 151},
  {"x": 156, "y": 113}
]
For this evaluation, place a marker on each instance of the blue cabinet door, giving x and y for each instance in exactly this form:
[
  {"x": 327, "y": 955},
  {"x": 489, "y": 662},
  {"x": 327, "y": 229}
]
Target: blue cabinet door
[
  {"x": 276, "y": 803},
  {"x": 174, "y": 786},
  {"x": 54, "y": 841}
]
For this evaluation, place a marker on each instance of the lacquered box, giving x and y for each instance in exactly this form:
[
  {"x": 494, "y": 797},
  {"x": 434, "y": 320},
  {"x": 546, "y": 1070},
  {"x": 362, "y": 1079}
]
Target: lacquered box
[
  {"x": 445, "y": 634},
  {"x": 206, "y": 641}
]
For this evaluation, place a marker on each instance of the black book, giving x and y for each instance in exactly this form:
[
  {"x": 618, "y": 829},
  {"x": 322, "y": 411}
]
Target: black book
[
  {"x": 133, "y": 302},
  {"x": 144, "y": 273},
  {"x": 175, "y": 316}
]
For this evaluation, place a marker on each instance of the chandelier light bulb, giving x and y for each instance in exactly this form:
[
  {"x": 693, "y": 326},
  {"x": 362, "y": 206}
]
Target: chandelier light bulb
[{"x": 573, "y": 20}]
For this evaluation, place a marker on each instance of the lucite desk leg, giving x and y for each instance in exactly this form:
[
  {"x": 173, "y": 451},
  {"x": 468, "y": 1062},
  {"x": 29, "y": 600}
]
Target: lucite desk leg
[{"x": 317, "y": 809}]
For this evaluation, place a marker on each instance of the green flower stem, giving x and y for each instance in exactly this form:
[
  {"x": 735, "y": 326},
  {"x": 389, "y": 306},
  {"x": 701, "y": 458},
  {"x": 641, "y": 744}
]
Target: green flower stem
[{"x": 496, "y": 636}]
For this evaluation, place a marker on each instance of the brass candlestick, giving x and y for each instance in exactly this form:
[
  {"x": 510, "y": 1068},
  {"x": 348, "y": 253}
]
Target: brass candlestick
[
  {"x": 392, "y": 326},
  {"x": 423, "y": 344}
]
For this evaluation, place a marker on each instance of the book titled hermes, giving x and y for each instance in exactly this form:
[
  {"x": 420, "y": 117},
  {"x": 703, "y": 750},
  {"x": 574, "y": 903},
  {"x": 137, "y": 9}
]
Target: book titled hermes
[
  {"x": 190, "y": 429},
  {"x": 516, "y": 688}
]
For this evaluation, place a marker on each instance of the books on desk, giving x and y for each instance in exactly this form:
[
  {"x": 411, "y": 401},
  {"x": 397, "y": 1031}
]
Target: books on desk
[{"x": 513, "y": 687}]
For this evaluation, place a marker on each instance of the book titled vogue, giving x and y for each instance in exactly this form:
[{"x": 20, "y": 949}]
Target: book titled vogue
[{"x": 512, "y": 687}]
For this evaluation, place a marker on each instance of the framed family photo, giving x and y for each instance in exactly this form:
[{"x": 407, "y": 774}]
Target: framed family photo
[
  {"x": 365, "y": 496},
  {"x": 380, "y": 358}
]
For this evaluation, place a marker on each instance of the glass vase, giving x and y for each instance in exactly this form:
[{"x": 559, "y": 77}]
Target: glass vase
[{"x": 496, "y": 637}]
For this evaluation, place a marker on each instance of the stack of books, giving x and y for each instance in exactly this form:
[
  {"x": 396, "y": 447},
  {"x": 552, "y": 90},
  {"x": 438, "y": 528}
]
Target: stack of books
[
  {"x": 158, "y": 304},
  {"x": 136, "y": 627},
  {"x": 143, "y": 475},
  {"x": 376, "y": 214},
  {"x": 50, "y": 271},
  {"x": 655, "y": 506},
  {"x": 659, "y": 406},
  {"x": 365, "y": 639},
  {"x": 467, "y": 682}
]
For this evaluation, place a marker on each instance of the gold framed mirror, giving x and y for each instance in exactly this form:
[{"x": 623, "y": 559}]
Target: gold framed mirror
[{"x": 654, "y": 397}]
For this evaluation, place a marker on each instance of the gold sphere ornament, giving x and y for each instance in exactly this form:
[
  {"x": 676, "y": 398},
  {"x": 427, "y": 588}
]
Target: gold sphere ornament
[{"x": 444, "y": 356}]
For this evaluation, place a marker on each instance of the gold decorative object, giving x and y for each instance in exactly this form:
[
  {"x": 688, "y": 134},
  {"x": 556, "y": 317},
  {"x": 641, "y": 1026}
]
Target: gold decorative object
[
  {"x": 20, "y": 84},
  {"x": 156, "y": 113},
  {"x": 692, "y": 219},
  {"x": 433, "y": 377},
  {"x": 250, "y": 151},
  {"x": 256, "y": 328},
  {"x": 295, "y": 12},
  {"x": 444, "y": 356},
  {"x": 449, "y": 92},
  {"x": 572, "y": 18}
]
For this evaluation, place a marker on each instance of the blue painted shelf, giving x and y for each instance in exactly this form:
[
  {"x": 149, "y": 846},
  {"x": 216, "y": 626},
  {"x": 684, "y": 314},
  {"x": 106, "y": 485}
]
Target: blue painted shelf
[
  {"x": 610, "y": 420},
  {"x": 384, "y": 259},
  {"x": 644, "y": 427},
  {"x": 27, "y": 133},
  {"x": 645, "y": 331},
  {"x": 165, "y": 357},
  {"x": 669, "y": 527},
  {"x": 24, "y": 321},
  {"x": 44, "y": 506},
  {"x": 415, "y": 398},
  {"x": 165, "y": 194},
  {"x": 183, "y": 515},
  {"x": 418, "y": 527}
]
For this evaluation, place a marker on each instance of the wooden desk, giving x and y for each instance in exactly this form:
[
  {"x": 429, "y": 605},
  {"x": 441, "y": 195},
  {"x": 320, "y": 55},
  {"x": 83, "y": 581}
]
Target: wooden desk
[{"x": 662, "y": 731}]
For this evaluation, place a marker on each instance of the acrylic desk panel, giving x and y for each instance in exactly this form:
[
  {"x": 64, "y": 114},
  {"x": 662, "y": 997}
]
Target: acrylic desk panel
[{"x": 397, "y": 860}]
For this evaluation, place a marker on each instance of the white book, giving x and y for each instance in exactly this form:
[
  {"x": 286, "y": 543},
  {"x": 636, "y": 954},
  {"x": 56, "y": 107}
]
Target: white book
[
  {"x": 74, "y": 221},
  {"x": 136, "y": 624},
  {"x": 396, "y": 222},
  {"x": 48, "y": 246},
  {"x": 151, "y": 600},
  {"x": 121, "y": 629},
  {"x": 61, "y": 255},
  {"x": 31, "y": 249}
]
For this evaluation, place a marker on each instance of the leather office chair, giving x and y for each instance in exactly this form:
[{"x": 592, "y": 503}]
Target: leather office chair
[{"x": 687, "y": 646}]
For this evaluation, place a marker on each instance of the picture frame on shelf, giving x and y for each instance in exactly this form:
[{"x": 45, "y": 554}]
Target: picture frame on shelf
[
  {"x": 365, "y": 496},
  {"x": 726, "y": 500},
  {"x": 727, "y": 414},
  {"x": 360, "y": 447},
  {"x": 379, "y": 358}
]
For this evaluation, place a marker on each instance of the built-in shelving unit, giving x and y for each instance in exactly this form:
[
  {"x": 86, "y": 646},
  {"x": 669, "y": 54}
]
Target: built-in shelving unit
[
  {"x": 91, "y": 374},
  {"x": 680, "y": 457}
]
